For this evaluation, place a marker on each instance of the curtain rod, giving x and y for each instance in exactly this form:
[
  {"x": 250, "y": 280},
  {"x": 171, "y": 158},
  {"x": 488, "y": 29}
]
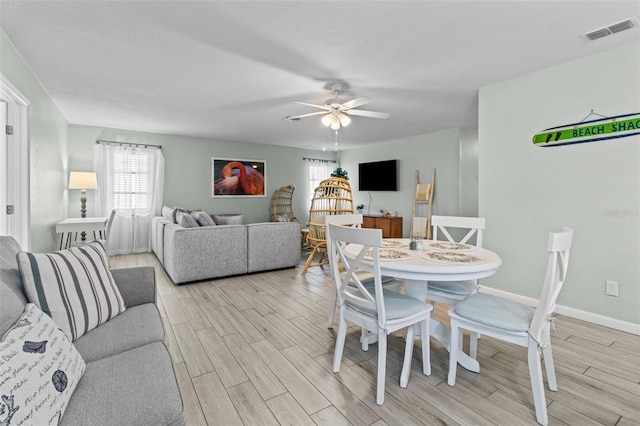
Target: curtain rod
[
  {"x": 146, "y": 145},
  {"x": 319, "y": 159}
]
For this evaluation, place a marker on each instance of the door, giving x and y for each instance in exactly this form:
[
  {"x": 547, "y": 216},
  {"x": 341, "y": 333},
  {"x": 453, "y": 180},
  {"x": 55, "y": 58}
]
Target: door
[
  {"x": 15, "y": 209},
  {"x": 4, "y": 169}
]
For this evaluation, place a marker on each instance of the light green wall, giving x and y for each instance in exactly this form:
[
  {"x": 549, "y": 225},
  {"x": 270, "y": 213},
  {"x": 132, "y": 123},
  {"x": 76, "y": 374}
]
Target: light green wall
[
  {"x": 48, "y": 149},
  {"x": 528, "y": 191},
  {"x": 468, "y": 172},
  {"x": 440, "y": 150},
  {"x": 188, "y": 170}
]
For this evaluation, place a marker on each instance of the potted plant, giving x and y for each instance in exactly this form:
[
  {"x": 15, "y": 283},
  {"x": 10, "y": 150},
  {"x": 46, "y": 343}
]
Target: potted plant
[
  {"x": 340, "y": 173},
  {"x": 360, "y": 208}
]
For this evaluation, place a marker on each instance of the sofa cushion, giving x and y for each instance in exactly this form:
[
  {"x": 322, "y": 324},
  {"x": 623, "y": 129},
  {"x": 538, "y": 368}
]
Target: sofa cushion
[
  {"x": 73, "y": 286},
  {"x": 136, "y": 387},
  {"x": 12, "y": 295},
  {"x": 186, "y": 220},
  {"x": 206, "y": 252},
  {"x": 203, "y": 219},
  {"x": 272, "y": 245},
  {"x": 135, "y": 327},
  {"x": 228, "y": 219},
  {"x": 40, "y": 370}
]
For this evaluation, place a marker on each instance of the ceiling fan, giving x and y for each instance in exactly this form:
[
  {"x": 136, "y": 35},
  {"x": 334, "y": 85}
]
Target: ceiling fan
[{"x": 336, "y": 113}]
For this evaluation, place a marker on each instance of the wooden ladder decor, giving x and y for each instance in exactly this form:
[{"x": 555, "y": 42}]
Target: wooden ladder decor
[{"x": 420, "y": 225}]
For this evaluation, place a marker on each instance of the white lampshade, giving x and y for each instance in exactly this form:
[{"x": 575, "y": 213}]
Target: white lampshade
[
  {"x": 345, "y": 120},
  {"x": 326, "y": 120},
  {"x": 82, "y": 180},
  {"x": 335, "y": 122}
]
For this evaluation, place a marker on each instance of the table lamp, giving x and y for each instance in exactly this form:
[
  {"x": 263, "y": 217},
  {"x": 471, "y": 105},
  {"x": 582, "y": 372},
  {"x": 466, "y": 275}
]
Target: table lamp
[{"x": 83, "y": 181}]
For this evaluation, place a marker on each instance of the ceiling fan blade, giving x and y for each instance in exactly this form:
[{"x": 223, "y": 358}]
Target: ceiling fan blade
[
  {"x": 324, "y": 107},
  {"x": 355, "y": 103},
  {"x": 298, "y": 117},
  {"x": 371, "y": 114}
]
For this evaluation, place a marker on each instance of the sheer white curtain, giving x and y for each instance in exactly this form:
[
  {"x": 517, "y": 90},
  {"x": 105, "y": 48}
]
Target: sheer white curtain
[
  {"x": 130, "y": 180},
  {"x": 319, "y": 170}
]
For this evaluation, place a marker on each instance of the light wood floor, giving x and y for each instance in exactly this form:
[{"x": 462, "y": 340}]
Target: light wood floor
[{"x": 255, "y": 350}]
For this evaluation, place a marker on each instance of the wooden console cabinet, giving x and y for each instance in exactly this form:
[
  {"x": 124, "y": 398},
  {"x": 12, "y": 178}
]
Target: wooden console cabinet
[{"x": 391, "y": 226}]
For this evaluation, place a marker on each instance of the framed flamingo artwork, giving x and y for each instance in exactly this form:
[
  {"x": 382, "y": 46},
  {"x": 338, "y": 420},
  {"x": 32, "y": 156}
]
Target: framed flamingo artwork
[{"x": 237, "y": 178}]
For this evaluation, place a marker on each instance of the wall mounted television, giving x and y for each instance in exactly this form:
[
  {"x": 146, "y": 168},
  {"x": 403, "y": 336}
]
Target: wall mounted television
[{"x": 378, "y": 176}]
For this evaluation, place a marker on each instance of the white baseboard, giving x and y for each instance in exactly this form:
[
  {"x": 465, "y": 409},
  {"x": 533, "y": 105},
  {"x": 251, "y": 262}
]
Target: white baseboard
[{"x": 627, "y": 327}]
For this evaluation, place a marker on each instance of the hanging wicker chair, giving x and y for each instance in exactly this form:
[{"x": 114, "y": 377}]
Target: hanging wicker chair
[
  {"x": 281, "y": 205},
  {"x": 333, "y": 196}
]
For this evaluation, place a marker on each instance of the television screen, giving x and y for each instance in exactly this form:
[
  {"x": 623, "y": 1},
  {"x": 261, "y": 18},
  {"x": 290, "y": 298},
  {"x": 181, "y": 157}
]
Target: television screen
[{"x": 378, "y": 176}]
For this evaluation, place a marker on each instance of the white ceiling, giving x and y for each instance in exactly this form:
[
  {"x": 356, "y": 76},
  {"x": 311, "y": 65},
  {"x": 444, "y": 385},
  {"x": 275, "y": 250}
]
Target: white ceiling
[{"x": 228, "y": 70}]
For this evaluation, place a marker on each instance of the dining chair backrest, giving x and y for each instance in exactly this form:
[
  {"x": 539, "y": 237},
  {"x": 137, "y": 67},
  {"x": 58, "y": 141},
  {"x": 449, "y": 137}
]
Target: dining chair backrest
[
  {"x": 350, "y": 289},
  {"x": 443, "y": 224},
  {"x": 107, "y": 232},
  {"x": 559, "y": 247},
  {"x": 112, "y": 215},
  {"x": 353, "y": 220}
]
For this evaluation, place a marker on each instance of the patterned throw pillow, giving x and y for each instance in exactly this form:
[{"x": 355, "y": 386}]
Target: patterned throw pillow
[
  {"x": 283, "y": 218},
  {"x": 73, "y": 286},
  {"x": 203, "y": 219},
  {"x": 40, "y": 370},
  {"x": 186, "y": 220}
]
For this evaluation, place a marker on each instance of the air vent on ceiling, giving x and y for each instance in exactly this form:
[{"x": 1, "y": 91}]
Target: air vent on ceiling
[
  {"x": 613, "y": 29},
  {"x": 594, "y": 35},
  {"x": 621, "y": 26}
]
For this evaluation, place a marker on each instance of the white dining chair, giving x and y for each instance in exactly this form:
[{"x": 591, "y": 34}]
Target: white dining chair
[
  {"x": 390, "y": 283},
  {"x": 517, "y": 323},
  {"x": 107, "y": 232},
  {"x": 465, "y": 230},
  {"x": 374, "y": 308}
]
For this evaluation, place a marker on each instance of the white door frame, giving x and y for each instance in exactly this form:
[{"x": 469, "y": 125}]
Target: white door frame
[{"x": 17, "y": 154}]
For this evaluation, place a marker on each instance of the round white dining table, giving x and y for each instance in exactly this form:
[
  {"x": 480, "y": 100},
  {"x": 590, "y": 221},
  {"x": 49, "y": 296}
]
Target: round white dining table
[{"x": 417, "y": 270}]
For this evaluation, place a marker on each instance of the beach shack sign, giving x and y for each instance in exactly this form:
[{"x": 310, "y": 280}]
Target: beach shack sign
[{"x": 618, "y": 126}]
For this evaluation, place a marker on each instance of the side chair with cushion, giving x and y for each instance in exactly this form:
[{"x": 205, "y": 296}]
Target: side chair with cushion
[
  {"x": 517, "y": 323},
  {"x": 389, "y": 283},
  {"x": 372, "y": 308},
  {"x": 452, "y": 292}
]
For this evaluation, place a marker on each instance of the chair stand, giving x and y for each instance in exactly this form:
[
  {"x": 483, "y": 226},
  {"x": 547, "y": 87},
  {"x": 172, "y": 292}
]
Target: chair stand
[{"x": 322, "y": 250}]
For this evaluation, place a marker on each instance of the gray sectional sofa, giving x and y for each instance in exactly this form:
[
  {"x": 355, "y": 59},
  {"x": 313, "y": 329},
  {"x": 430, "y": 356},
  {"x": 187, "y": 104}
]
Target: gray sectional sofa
[
  {"x": 205, "y": 252},
  {"x": 129, "y": 378}
]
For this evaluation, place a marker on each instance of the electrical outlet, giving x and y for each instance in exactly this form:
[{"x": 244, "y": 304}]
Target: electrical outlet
[{"x": 611, "y": 288}]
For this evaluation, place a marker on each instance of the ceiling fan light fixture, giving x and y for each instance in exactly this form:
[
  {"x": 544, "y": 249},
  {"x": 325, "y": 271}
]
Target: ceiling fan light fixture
[
  {"x": 336, "y": 113},
  {"x": 334, "y": 122}
]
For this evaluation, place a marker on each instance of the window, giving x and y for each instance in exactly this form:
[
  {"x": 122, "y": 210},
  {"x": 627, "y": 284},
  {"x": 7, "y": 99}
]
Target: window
[
  {"x": 131, "y": 181},
  {"x": 319, "y": 170}
]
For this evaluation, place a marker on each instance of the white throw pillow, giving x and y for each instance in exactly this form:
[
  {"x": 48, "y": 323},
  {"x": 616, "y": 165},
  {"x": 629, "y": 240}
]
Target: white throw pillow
[
  {"x": 73, "y": 286},
  {"x": 39, "y": 370}
]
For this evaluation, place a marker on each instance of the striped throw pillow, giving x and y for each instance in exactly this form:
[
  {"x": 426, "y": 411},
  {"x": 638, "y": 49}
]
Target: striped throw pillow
[{"x": 73, "y": 286}]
